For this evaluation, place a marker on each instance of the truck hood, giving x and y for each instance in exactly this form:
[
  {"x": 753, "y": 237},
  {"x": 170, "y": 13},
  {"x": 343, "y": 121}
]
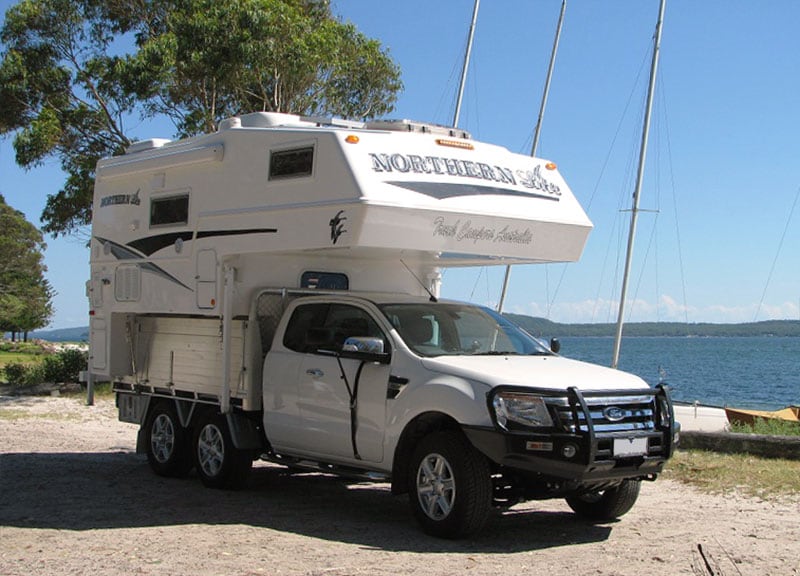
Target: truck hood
[{"x": 548, "y": 372}]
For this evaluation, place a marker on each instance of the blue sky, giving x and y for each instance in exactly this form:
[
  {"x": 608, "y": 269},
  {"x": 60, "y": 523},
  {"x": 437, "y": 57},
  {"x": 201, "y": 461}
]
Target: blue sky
[{"x": 716, "y": 242}]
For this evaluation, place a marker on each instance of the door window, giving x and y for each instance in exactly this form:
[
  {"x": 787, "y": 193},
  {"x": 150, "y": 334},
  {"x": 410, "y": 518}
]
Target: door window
[{"x": 325, "y": 326}]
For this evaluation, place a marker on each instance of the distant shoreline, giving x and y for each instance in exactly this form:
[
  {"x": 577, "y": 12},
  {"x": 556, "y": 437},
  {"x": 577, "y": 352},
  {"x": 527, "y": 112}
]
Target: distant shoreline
[{"x": 541, "y": 327}]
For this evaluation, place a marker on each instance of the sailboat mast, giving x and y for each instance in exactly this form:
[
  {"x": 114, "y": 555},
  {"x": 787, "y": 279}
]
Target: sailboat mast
[
  {"x": 550, "y": 67},
  {"x": 538, "y": 127},
  {"x": 638, "y": 188},
  {"x": 466, "y": 63}
]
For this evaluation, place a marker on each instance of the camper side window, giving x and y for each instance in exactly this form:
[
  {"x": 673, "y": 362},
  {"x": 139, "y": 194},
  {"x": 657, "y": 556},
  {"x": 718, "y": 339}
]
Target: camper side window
[
  {"x": 291, "y": 163},
  {"x": 172, "y": 210}
]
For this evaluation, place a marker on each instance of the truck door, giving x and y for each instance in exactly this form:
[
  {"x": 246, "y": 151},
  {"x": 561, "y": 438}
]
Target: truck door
[{"x": 340, "y": 402}]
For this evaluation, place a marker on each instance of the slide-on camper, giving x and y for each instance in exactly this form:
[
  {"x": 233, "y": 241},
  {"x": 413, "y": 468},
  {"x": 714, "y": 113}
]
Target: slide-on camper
[{"x": 271, "y": 291}]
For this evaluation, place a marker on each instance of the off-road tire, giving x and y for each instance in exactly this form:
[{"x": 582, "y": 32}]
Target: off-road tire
[
  {"x": 605, "y": 505},
  {"x": 449, "y": 485},
  {"x": 167, "y": 442}
]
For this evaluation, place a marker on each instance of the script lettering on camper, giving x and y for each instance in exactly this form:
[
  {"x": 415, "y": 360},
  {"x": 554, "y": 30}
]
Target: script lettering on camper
[
  {"x": 416, "y": 164},
  {"x": 116, "y": 199},
  {"x": 466, "y": 231}
]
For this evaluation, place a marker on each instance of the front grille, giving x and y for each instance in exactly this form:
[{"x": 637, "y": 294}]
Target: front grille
[{"x": 607, "y": 415}]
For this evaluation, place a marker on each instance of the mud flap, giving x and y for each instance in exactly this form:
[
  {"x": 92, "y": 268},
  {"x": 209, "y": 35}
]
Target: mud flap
[{"x": 244, "y": 432}]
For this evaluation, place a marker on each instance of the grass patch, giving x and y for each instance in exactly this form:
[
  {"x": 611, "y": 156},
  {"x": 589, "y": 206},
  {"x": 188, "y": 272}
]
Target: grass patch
[
  {"x": 720, "y": 473},
  {"x": 101, "y": 390},
  {"x": 18, "y": 358},
  {"x": 15, "y": 414},
  {"x": 768, "y": 427},
  {"x": 11, "y": 414}
]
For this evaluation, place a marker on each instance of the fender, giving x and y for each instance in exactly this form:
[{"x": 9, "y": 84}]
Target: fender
[{"x": 458, "y": 398}]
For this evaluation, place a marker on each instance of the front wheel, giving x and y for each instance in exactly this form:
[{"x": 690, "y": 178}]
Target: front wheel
[
  {"x": 219, "y": 463},
  {"x": 607, "y": 504},
  {"x": 450, "y": 486}
]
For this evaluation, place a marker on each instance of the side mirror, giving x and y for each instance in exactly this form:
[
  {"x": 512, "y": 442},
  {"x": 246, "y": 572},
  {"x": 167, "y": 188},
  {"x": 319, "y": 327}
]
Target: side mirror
[
  {"x": 555, "y": 345},
  {"x": 365, "y": 348}
]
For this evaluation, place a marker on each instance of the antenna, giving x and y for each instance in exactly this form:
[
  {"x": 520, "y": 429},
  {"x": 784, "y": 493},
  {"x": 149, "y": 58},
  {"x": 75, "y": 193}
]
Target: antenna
[{"x": 420, "y": 282}]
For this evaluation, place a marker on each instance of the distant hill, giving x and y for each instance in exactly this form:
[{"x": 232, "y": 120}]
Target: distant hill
[
  {"x": 80, "y": 334},
  {"x": 543, "y": 328}
]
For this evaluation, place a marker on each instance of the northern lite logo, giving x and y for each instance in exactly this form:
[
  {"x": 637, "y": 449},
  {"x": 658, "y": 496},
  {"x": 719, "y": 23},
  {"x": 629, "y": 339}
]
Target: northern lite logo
[
  {"x": 132, "y": 199},
  {"x": 413, "y": 163}
]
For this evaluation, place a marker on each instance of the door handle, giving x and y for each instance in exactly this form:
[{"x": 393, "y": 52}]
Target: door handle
[{"x": 315, "y": 372}]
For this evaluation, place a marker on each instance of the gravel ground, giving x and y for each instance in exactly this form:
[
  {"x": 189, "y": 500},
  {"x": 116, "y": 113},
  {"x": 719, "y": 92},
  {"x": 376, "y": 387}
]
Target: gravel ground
[{"x": 76, "y": 499}]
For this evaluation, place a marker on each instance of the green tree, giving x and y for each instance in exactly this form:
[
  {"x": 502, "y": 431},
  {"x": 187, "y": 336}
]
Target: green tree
[
  {"x": 25, "y": 294},
  {"x": 69, "y": 87},
  {"x": 60, "y": 97},
  {"x": 207, "y": 60}
]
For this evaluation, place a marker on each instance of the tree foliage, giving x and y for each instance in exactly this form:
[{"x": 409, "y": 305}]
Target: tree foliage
[
  {"x": 74, "y": 74},
  {"x": 25, "y": 294},
  {"x": 60, "y": 97},
  {"x": 207, "y": 60}
]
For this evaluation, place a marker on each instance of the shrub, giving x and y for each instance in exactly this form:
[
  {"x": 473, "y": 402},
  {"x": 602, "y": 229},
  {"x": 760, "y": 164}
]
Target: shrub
[
  {"x": 34, "y": 374},
  {"x": 24, "y": 374},
  {"x": 52, "y": 369},
  {"x": 62, "y": 367},
  {"x": 15, "y": 373},
  {"x": 72, "y": 362}
]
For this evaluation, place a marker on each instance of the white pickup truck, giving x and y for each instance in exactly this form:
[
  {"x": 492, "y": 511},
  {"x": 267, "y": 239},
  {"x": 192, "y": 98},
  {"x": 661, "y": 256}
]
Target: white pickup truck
[{"x": 270, "y": 292}]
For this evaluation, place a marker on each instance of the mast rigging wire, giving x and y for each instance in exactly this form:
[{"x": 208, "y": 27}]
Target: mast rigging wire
[{"x": 777, "y": 253}]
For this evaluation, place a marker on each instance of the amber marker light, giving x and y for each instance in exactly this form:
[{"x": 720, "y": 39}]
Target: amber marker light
[
  {"x": 455, "y": 144},
  {"x": 351, "y": 139},
  {"x": 551, "y": 166}
]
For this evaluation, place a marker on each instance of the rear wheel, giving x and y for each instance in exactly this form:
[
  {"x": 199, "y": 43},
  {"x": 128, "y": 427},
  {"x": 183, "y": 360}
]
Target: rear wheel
[
  {"x": 450, "y": 487},
  {"x": 167, "y": 447},
  {"x": 607, "y": 504},
  {"x": 219, "y": 463}
]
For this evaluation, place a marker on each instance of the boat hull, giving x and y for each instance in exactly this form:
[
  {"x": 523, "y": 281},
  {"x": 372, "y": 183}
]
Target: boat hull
[{"x": 749, "y": 417}]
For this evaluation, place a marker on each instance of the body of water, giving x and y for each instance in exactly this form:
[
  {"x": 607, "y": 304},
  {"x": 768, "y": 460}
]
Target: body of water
[{"x": 759, "y": 372}]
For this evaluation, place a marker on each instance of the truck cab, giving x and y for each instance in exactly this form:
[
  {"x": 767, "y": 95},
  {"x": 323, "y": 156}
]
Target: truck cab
[{"x": 360, "y": 382}]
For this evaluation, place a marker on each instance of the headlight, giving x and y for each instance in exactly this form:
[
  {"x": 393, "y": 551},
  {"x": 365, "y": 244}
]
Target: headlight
[{"x": 525, "y": 409}]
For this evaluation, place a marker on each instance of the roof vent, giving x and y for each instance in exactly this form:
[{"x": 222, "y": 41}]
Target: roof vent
[
  {"x": 143, "y": 145},
  {"x": 269, "y": 120}
]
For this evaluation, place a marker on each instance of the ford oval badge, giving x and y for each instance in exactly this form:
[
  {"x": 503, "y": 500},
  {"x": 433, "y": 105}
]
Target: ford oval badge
[{"x": 614, "y": 414}]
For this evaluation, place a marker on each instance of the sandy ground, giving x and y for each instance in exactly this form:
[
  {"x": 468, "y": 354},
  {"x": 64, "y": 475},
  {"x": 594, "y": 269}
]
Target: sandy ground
[{"x": 76, "y": 499}]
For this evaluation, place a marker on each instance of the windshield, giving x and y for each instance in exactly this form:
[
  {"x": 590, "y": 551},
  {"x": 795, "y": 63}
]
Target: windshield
[{"x": 436, "y": 329}]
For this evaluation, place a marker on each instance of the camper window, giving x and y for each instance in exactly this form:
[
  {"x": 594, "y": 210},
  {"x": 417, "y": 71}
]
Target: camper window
[
  {"x": 325, "y": 280},
  {"x": 291, "y": 163},
  {"x": 171, "y": 210}
]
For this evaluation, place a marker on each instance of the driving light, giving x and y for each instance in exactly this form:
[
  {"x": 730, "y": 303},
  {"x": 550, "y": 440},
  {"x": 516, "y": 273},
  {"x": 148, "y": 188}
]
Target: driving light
[
  {"x": 525, "y": 409},
  {"x": 569, "y": 450}
]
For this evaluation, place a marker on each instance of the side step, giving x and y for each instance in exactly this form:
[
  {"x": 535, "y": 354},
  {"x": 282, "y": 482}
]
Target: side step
[{"x": 337, "y": 469}]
